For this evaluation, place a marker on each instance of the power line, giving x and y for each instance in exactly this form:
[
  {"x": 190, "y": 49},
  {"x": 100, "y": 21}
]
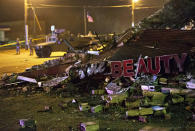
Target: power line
[{"x": 90, "y": 6}]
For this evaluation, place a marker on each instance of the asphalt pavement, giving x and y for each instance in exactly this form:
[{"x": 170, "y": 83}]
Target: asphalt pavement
[{"x": 12, "y": 63}]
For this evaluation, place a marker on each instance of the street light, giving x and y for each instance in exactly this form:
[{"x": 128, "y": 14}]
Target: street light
[
  {"x": 25, "y": 22},
  {"x": 132, "y": 11}
]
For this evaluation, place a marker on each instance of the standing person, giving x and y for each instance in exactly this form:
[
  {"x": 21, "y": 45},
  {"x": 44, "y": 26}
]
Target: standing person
[
  {"x": 30, "y": 46},
  {"x": 17, "y": 46}
]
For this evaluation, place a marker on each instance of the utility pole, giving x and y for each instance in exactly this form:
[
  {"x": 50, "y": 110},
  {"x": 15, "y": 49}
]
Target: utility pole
[
  {"x": 85, "y": 20},
  {"x": 25, "y": 22},
  {"x": 132, "y": 13},
  {"x": 34, "y": 23}
]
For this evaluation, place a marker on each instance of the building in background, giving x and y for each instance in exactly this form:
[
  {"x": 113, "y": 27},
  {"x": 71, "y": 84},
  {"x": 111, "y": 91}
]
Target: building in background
[
  {"x": 3, "y": 29},
  {"x": 16, "y": 29}
]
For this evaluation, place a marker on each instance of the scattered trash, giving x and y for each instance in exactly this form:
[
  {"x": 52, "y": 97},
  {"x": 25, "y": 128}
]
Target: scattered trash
[
  {"x": 46, "y": 109},
  {"x": 12, "y": 78},
  {"x": 92, "y": 70},
  {"x": 147, "y": 88},
  {"x": 14, "y": 84},
  {"x": 120, "y": 45},
  {"x": 77, "y": 63},
  {"x": 39, "y": 84},
  {"x": 47, "y": 89},
  {"x": 115, "y": 98},
  {"x": 68, "y": 69},
  {"x": 81, "y": 74},
  {"x": 193, "y": 117},
  {"x": 142, "y": 119},
  {"x": 189, "y": 76},
  {"x": 24, "y": 89},
  {"x": 4, "y": 77},
  {"x": 27, "y": 123},
  {"x": 157, "y": 108},
  {"x": 93, "y": 52},
  {"x": 165, "y": 90},
  {"x": 113, "y": 88},
  {"x": 107, "y": 79},
  {"x": 191, "y": 84},
  {"x": 84, "y": 107},
  {"x": 73, "y": 101}
]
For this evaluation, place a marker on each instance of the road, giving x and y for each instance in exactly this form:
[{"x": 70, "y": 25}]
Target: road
[{"x": 12, "y": 63}]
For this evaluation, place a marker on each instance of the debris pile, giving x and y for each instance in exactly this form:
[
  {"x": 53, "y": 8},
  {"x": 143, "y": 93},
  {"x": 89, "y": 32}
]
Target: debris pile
[
  {"x": 161, "y": 84},
  {"x": 141, "y": 96}
]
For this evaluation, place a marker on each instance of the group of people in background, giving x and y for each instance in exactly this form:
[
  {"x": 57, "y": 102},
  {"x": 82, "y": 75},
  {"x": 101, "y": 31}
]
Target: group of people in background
[{"x": 29, "y": 46}]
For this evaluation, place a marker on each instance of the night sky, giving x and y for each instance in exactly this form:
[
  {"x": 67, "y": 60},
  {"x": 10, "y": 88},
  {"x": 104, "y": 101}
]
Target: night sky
[{"x": 106, "y": 19}]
